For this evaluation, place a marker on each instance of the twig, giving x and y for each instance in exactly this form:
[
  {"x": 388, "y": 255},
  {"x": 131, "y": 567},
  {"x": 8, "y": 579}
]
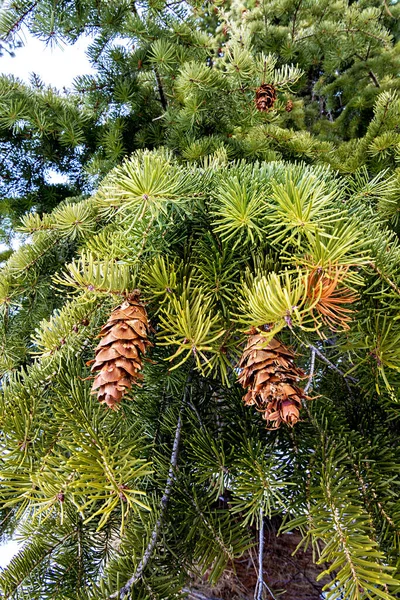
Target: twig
[
  {"x": 16, "y": 25},
  {"x": 312, "y": 367},
  {"x": 387, "y": 9},
  {"x": 374, "y": 78},
  {"x": 295, "y": 18},
  {"x": 163, "y": 504},
  {"x": 385, "y": 277},
  {"x": 196, "y": 595},
  {"x": 310, "y": 378},
  {"x": 194, "y": 409},
  {"x": 269, "y": 591},
  {"x": 163, "y": 99},
  {"x": 331, "y": 365},
  {"x": 258, "y": 592}
]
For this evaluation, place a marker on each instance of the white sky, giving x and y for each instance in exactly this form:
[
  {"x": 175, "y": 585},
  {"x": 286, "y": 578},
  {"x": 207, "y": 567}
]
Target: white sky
[
  {"x": 7, "y": 552},
  {"x": 57, "y": 67}
]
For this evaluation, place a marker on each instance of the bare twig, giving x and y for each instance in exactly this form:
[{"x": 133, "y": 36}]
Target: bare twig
[
  {"x": 163, "y": 99},
  {"x": 163, "y": 504},
  {"x": 269, "y": 591},
  {"x": 387, "y": 9},
  {"x": 374, "y": 78},
  {"x": 331, "y": 365},
  {"x": 196, "y": 595},
  {"x": 258, "y": 592},
  {"x": 312, "y": 367}
]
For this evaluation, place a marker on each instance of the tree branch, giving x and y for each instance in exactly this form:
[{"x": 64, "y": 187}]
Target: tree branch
[
  {"x": 17, "y": 24},
  {"x": 163, "y": 99},
  {"x": 374, "y": 78},
  {"x": 385, "y": 277},
  {"x": 387, "y": 9},
  {"x": 196, "y": 595},
  {"x": 312, "y": 367},
  {"x": 331, "y": 365},
  {"x": 163, "y": 504},
  {"x": 258, "y": 593},
  {"x": 295, "y": 18}
]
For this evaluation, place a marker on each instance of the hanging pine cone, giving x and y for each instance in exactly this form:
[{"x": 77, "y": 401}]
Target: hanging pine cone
[
  {"x": 271, "y": 376},
  {"x": 289, "y": 106},
  {"x": 265, "y": 97},
  {"x": 119, "y": 353}
]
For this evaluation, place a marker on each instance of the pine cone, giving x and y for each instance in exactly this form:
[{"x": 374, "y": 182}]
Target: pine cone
[
  {"x": 289, "y": 106},
  {"x": 271, "y": 376},
  {"x": 265, "y": 97},
  {"x": 119, "y": 353}
]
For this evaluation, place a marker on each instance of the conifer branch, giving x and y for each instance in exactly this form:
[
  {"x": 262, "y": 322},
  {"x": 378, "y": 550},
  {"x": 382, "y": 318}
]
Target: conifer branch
[
  {"x": 346, "y": 30},
  {"x": 209, "y": 224},
  {"x": 163, "y": 503},
  {"x": 42, "y": 558},
  {"x": 17, "y": 24},
  {"x": 385, "y": 277}
]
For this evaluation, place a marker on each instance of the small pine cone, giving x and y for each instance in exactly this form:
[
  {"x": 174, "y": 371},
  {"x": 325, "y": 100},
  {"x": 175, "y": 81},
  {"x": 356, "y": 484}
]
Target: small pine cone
[
  {"x": 119, "y": 353},
  {"x": 265, "y": 97},
  {"x": 289, "y": 106},
  {"x": 271, "y": 376}
]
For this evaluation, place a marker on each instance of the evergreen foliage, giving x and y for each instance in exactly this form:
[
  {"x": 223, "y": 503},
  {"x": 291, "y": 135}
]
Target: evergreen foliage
[
  {"x": 185, "y": 76},
  {"x": 229, "y": 221}
]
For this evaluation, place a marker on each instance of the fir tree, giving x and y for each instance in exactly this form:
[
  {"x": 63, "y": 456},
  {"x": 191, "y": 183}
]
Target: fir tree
[
  {"x": 243, "y": 265},
  {"x": 185, "y": 76}
]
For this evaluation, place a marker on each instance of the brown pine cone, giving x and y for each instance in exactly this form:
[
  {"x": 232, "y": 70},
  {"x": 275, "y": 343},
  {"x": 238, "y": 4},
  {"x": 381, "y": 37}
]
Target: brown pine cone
[
  {"x": 119, "y": 353},
  {"x": 266, "y": 96},
  {"x": 269, "y": 371}
]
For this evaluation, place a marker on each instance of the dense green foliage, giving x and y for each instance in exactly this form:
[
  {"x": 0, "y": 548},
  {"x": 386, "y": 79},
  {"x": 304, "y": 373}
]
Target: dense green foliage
[
  {"x": 185, "y": 75},
  {"x": 226, "y": 219}
]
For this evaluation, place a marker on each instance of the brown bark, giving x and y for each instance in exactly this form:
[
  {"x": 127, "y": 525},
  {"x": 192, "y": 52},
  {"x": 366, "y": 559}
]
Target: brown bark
[{"x": 288, "y": 577}]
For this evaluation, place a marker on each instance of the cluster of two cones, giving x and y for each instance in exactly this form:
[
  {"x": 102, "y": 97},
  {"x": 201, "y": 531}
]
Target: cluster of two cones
[
  {"x": 271, "y": 376},
  {"x": 118, "y": 362},
  {"x": 267, "y": 370}
]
